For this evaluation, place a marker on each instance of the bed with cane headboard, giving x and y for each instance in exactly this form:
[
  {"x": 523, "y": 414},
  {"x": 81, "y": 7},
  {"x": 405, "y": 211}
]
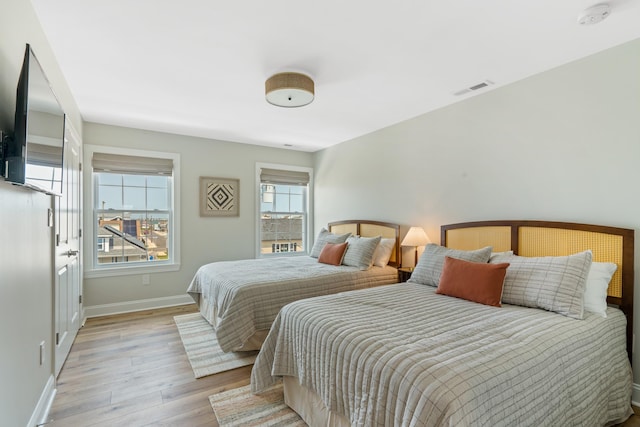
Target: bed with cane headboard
[
  {"x": 240, "y": 299},
  {"x": 416, "y": 353},
  {"x": 545, "y": 238}
]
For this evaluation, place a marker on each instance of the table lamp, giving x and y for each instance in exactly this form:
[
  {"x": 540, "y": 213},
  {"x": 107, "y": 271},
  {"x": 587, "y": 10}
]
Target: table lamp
[{"x": 415, "y": 237}]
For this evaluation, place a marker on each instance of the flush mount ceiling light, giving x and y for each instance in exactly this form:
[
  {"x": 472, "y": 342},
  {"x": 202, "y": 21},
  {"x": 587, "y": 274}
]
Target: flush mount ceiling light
[
  {"x": 289, "y": 90},
  {"x": 594, "y": 14}
]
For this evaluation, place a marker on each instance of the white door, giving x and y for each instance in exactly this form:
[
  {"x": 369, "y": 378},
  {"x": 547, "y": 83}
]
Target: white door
[{"x": 68, "y": 277}]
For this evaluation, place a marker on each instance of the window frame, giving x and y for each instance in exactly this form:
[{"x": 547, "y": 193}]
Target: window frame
[
  {"x": 309, "y": 210},
  {"x": 92, "y": 268}
]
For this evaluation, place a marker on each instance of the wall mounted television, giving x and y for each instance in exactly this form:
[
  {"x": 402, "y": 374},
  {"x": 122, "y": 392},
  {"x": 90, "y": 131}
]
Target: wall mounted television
[{"x": 33, "y": 156}]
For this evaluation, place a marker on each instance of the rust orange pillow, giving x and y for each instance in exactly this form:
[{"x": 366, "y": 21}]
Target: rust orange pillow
[
  {"x": 473, "y": 281},
  {"x": 332, "y": 253}
]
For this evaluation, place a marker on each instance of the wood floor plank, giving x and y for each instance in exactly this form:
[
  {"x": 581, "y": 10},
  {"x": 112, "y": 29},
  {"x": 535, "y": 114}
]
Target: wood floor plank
[
  {"x": 139, "y": 384},
  {"x": 131, "y": 370},
  {"x": 74, "y": 404},
  {"x": 160, "y": 414},
  {"x": 212, "y": 383},
  {"x": 106, "y": 414}
]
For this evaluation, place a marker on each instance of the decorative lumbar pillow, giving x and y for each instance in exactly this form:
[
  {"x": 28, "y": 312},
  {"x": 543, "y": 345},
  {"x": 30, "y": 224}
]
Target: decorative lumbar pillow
[
  {"x": 551, "y": 283},
  {"x": 332, "y": 253},
  {"x": 595, "y": 293},
  {"x": 473, "y": 281},
  {"x": 325, "y": 237},
  {"x": 383, "y": 252},
  {"x": 360, "y": 251},
  {"x": 429, "y": 267}
]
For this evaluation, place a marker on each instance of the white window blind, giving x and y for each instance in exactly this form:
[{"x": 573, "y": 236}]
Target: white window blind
[
  {"x": 133, "y": 165},
  {"x": 288, "y": 177}
]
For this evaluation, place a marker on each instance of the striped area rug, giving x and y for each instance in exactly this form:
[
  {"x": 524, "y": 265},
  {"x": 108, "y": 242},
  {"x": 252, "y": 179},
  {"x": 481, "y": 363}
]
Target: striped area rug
[
  {"x": 203, "y": 351},
  {"x": 239, "y": 407}
]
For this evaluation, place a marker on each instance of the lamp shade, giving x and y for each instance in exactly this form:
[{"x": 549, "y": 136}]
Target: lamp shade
[
  {"x": 289, "y": 90},
  {"x": 415, "y": 237}
]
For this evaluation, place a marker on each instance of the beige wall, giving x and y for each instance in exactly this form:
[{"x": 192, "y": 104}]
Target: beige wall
[
  {"x": 26, "y": 286},
  {"x": 203, "y": 239},
  {"x": 563, "y": 145}
]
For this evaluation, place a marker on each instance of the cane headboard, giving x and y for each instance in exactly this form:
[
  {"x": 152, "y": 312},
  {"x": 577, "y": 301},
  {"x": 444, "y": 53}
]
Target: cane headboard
[
  {"x": 366, "y": 228},
  {"x": 544, "y": 238}
]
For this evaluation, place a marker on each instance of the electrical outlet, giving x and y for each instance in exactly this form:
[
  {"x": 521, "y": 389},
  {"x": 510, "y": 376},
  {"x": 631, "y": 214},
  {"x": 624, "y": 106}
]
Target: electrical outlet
[
  {"x": 42, "y": 353},
  {"x": 145, "y": 279}
]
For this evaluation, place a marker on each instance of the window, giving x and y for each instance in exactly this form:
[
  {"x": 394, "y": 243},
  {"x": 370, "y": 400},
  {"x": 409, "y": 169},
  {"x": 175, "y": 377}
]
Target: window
[
  {"x": 134, "y": 211},
  {"x": 284, "y": 221}
]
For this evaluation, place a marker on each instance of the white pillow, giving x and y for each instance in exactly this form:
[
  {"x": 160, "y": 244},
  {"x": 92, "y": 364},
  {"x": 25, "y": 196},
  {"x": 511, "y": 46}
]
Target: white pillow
[
  {"x": 495, "y": 255},
  {"x": 595, "y": 293},
  {"x": 383, "y": 252}
]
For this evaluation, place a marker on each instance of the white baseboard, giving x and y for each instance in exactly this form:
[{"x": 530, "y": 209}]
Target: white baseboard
[
  {"x": 635, "y": 395},
  {"x": 138, "y": 305},
  {"x": 41, "y": 411}
]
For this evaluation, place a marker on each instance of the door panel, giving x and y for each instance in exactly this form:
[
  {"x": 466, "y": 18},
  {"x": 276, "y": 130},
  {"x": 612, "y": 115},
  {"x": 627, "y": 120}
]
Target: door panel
[
  {"x": 62, "y": 319},
  {"x": 68, "y": 286}
]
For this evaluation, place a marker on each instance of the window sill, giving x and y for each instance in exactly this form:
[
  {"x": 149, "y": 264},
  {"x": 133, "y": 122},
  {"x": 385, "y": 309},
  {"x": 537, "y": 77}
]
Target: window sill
[{"x": 130, "y": 270}]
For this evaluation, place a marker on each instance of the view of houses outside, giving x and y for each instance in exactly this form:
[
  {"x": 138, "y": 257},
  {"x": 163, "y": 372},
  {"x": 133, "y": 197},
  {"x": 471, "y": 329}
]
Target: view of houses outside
[
  {"x": 126, "y": 239},
  {"x": 132, "y": 218},
  {"x": 281, "y": 234},
  {"x": 283, "y": 218}
]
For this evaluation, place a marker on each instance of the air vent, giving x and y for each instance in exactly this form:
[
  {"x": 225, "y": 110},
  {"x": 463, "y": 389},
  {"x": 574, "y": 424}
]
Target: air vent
[{"x": 474, "y": 87}]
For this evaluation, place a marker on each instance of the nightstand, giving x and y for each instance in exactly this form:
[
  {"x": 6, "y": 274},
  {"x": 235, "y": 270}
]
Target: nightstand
[{"x": 404, "y": 274}]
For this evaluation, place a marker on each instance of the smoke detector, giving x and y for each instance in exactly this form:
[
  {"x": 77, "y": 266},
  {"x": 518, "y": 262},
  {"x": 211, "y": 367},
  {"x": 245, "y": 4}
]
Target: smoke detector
[{"x": 594, "y": 14}]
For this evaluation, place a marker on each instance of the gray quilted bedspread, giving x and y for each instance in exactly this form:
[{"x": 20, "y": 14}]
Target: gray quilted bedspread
[
  {"x": 402, "y": 355},
  {"x": 245, "y": 296}
]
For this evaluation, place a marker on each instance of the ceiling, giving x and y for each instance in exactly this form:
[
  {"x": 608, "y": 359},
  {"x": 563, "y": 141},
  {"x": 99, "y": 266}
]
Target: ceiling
[{"x": 198, "y": 67}]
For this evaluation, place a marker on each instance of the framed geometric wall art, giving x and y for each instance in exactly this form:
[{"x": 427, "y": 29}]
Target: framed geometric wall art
[{"x": 219, "y": 196}]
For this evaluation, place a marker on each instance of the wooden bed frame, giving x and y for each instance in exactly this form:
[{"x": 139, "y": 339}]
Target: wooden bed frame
[
  {"x": 366, "y": 228},
  {"x": 545, "y": 238},
  {"x": 525, "y": 238}
]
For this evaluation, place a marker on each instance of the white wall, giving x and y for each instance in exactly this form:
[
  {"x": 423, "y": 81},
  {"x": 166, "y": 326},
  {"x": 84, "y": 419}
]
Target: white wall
[
  {"x": 563, "y": 145},
  {"x": 203, "y": 240},
  {"x": 26, "y": 285}
]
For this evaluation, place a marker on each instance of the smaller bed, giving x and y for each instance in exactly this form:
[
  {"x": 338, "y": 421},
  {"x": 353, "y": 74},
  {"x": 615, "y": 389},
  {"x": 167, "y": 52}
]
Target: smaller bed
[{"x": 241, "y": 299}]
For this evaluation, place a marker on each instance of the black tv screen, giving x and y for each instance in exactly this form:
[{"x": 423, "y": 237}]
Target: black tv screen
[{"x": 34, "y": 155}]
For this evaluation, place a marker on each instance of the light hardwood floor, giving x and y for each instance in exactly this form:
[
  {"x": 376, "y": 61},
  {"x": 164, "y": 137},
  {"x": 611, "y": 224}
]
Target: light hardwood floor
[{"x": 131, "y": 370}]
